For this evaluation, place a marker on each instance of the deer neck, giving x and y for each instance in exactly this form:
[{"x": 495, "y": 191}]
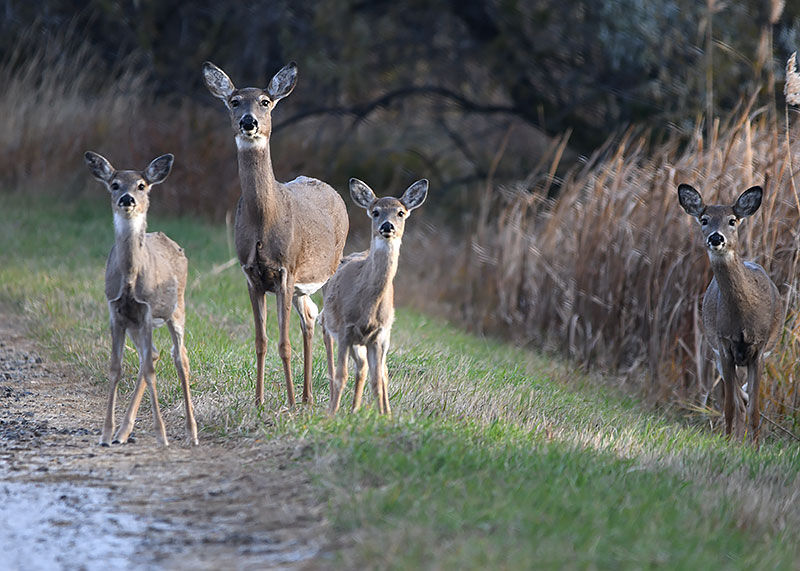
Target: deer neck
[
  {"x": 129, "y": 235},
  {"x": 733, "y": 279},
  {"x": 381, "y": 265},
  {"x": 261, "y": 194}
]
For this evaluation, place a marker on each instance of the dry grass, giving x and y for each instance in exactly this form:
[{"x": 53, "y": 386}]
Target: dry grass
[{"x": 612, "y": 273}]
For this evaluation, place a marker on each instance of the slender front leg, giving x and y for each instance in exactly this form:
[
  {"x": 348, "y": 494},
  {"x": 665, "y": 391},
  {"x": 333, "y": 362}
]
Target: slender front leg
[
  {"x": 374, "y": 353},
  {"x": 328, "y": 340},
  {"x": 181, "y": 360},
  {"x": 753, "y": 405},
  {"x": 284, "y": 300},
  {"x": 359, "y": 353},
  {"x": 258, "y": 301},
  {"x": 128, "y": 420},
  {"x": 307, "y": 310},
  {"x": 337, "y": 387},
  {"x": 149, "y": 374},
  {"x": 114, "y": 374},
  {"x": 732, "y": 396}
]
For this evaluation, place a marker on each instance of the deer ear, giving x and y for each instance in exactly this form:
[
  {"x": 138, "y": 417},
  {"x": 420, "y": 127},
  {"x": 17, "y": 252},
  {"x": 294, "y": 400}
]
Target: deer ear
[
  {"x": 99, "y": 166},
  {"x": 157, "y": 171},
  {"x": 361, "y": 193},
  {"x": 415, "y": 194},
  {"x": 748, "y": 202},
  {"x": 690, "y": 200},
  {"x": 218, "y": 83},
  {"x": 283, "y": 82}
]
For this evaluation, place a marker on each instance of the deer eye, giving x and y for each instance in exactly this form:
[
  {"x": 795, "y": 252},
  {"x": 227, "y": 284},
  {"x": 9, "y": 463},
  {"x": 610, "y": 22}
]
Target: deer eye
[
  {"x": 375, "y": 213},
  {"x": 401, "y": 213},
  {"x": 114, "y": 186},
  {"x": 234, "y": 103},
  {"x": 704, "y": 221},
  {"x": 265, "y": 102},
  {"x": 732, "y": 222},
  {"x": 141, "y": 186}
]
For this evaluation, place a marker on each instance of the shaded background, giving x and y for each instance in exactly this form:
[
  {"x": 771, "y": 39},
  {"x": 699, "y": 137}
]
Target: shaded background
[{"x": 392, "y": 91}]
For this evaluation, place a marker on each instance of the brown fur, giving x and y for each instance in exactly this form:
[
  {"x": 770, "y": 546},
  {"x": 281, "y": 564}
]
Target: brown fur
[
  {"x": 145, "y": 284},
  {"x": 359, "y": 299},
  {"x": 742, "y": 310},
  {"x": 287, "y": 235}
]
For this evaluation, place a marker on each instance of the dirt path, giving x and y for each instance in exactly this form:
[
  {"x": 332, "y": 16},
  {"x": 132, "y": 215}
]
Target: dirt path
[{"x": 67, "y": 503}]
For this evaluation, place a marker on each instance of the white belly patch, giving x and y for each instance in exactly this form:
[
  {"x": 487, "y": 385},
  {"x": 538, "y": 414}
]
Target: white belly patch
[{"x": 307, "y": 289}]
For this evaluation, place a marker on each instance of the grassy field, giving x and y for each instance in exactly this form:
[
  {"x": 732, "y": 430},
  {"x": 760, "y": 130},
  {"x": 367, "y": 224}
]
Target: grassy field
[{"x": 495, "y": 457}]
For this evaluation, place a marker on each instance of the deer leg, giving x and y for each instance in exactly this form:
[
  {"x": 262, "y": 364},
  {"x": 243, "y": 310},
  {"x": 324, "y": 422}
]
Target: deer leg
[
  {"x": 340, "y": 378},
  {"x": 149, "y": 374},
  {"x": 753, "y": 408},
  {"x": 284, "y": 301},
  {"x": 732, "y": 396},
  {"x": 181, "y": 360},
  {"x": 308, "y": 312},
  {"x": 327, "y": 338},
  {"x": 258, "y": 301},
  {"x": 359, "y": 353},
  {"x": 126, "y": 427},
  {"x": 114, "y": 374},
  {"x": 374, "y": 354}
]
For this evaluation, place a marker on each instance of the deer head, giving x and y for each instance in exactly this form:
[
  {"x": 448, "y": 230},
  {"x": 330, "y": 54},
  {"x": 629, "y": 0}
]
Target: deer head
[
  {"x": 388, "y": 214},
  {"x": 250, "y": 107},
  {"x": 130, "y": 190},
  {"x": 720, "y": 223}
]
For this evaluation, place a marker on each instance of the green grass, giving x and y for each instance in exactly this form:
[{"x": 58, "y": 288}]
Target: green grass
[{"x": 496, "y": 457}]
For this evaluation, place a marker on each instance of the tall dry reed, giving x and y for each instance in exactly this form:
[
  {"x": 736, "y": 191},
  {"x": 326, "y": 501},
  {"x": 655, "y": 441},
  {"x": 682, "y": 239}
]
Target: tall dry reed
[{"x": 612, "y": 273}]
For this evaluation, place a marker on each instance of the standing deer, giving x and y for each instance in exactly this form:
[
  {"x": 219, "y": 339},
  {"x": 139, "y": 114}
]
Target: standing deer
[
  {"x": 145, "y": 282},
  {"x": 359, "y": 300},
  {"x": 741, "y": 308},
  {"x": 289, "y": 237}
]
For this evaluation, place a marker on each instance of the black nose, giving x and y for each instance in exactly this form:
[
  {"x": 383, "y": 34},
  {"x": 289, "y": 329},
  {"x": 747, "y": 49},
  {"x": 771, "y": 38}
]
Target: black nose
[
  {"x": 248, "y": 123},
  {"x": 126, "y": 200},
  {"x": 716, "y": 239},
  {"x": 386, "y": 228}
]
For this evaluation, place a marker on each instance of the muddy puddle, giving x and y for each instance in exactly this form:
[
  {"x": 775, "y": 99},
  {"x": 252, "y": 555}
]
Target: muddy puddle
[{"x": 64, "y": 526}]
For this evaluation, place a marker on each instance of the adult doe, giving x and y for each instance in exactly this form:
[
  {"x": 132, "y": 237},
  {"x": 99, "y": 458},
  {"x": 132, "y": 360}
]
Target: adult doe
[
  {"x": 289, "y": 237},
  {"x": 145, "y": 282},
  {"x": 741, "y": 308},
  {"x": 359, "y": 300}
]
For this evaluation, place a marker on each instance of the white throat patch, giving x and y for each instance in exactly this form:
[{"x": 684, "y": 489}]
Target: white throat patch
[
  {"x": 388, "y": 244},
  {"x": 125, "y": 226},
  {"x": 246, "y": 143}
]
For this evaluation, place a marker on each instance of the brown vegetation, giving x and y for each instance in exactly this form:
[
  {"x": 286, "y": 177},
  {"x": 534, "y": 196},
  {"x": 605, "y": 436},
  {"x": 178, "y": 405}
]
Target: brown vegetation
[{"x": 611, "y": 273}]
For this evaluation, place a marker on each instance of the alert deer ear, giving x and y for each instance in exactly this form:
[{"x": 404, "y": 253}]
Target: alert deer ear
[
  {"x": 748, "y": 202},
  {"x": 415, "y": 194},
  {"x": 690, "y": 200},
  {"x": 361, "y": 193},
  {"x": 218, "y": 83},
  {"x": 157, "y": 171},
  {"x": 283, "y": 82},
  {"x": 99, "y": 166}
]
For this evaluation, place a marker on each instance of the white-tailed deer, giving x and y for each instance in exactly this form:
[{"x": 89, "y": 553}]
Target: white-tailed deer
[
  {"x": 742, "y": 312},
  {"x": 359, "y": 300},
  {"x": 289, "y": 237},
  {"x": 145, "y": 282}
]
